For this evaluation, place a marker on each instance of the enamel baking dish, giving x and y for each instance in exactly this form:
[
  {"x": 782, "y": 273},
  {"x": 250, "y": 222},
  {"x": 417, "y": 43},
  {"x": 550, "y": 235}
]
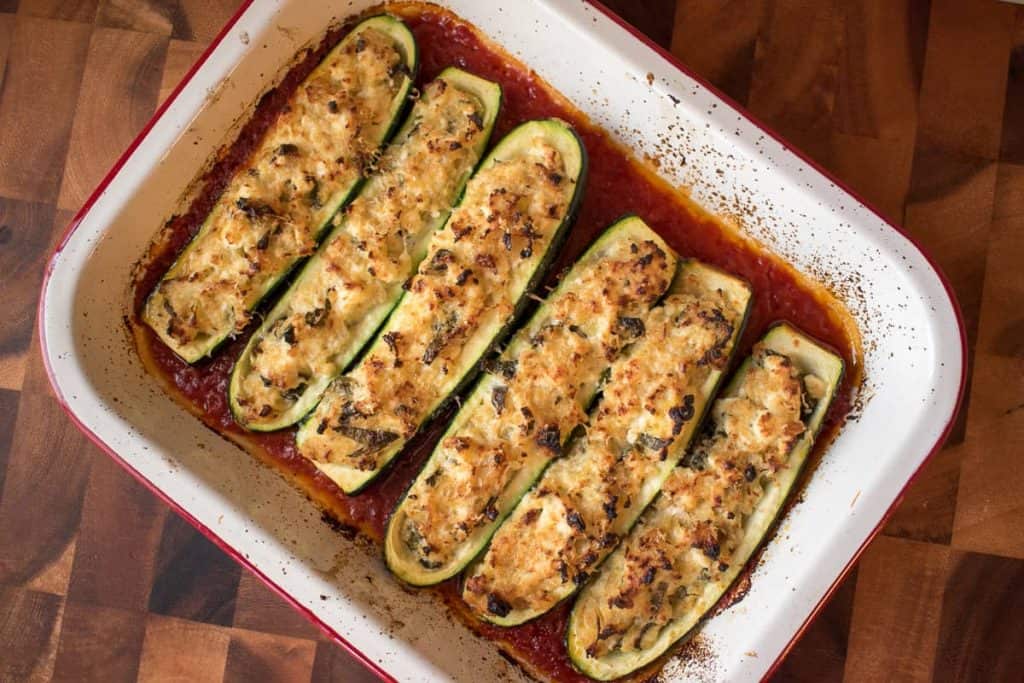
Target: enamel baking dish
[{"x": 913, "y": 337}]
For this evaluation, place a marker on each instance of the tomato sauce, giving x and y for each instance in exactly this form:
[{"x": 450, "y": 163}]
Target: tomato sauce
[{"x": 617, "y": 184}]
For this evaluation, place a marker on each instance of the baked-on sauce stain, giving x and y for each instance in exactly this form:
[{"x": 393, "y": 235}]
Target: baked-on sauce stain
[{"x": 617, "y": 184}]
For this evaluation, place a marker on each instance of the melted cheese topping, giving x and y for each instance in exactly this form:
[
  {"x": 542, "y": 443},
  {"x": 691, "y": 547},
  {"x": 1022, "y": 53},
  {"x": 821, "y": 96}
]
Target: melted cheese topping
[
  {"x": 364, "y": 263},
  {"x": 272, "y": 210},
  {"x": 586, "y": 501},
  {"x": 686, "y": 538},
  {"x": 464, "y": 292},
  {"x": 536, "y": 394}
]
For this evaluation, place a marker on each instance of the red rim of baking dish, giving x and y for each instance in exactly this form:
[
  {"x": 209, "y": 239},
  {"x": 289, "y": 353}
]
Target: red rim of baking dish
[{"x": 676, "y": 63}]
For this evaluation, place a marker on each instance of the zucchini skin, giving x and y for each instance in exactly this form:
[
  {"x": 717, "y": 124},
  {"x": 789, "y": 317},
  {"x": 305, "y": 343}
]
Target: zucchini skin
[
  {"x": 489, "y": 96},
  {"x": 568, "y": 139},
  {"x": 710, "y": 279},
  {"x": 405, "y": 43},
  {"x": 627, "y": 228},
  {"x": 809, "y": 357}
]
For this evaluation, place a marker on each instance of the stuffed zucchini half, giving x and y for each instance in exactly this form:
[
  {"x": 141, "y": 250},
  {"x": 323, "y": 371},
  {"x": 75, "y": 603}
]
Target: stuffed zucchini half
[
  {"x": 347, "y": 288},
  {"x": 713, "y": 512},
  {"x": 467, "y": 290},
  {"x": 523, "y": 410},
  {"x": 278, "y": 205},
  {"x": 650, "y": 406}
]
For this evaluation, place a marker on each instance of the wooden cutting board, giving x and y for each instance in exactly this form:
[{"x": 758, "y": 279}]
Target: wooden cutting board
[{"x": 918, "y": 105}]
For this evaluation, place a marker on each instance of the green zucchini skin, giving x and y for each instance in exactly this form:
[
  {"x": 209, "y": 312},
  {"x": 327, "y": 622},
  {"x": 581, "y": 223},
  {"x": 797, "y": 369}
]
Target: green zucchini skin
[
  {"x": 627, "y": 230},
  {"x": 693, "y": 278},
  {"x": 488, "y": 96},
  {"x": 553, "y": 132},
  {"x": 405, "y": 43},
  {"x": 808, "y": 357}
]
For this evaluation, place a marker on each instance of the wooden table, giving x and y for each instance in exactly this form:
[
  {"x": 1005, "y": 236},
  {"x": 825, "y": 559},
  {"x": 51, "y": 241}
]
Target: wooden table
[{"x": 918, "y": 105}]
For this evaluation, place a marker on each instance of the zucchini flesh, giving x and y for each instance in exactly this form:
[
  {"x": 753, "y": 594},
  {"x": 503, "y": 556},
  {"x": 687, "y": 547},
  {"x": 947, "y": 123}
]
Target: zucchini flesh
[
  {"x": 347, "y": 288},
  {"x": 524, "y": 409},
  {"x": 650, "y": 407},
  {"x": 685, "y": 551},
  {"x": 276, "y": 207},
  {"x": 467, "y": 290}
]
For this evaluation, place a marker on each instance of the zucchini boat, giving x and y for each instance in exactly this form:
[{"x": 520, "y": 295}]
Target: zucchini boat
[
  {"x": 347, "y": 288},
  {"x": 279, "y": 204},
  {"x": 713, "y": 512},
  {"x": 650, "y": 406},
  {"x": 522, "y": 412},
  {"x": 469, "y": 288}
]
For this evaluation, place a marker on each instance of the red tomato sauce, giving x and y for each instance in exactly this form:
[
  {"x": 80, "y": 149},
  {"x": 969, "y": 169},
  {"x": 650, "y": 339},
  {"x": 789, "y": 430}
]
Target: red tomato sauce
[{"x": 617, "y": 184}]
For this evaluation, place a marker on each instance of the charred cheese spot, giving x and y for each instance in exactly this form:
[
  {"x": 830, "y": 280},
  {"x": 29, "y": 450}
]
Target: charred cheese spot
[
  {"x": 364, "y": 262},
  {"x": 544, "y": 382},
  {"x": 444, "y": 321},
  {"x": 273, "y": 208},
  {"x": 616, "y": 460},
  {"x": 687, "y": 536}
]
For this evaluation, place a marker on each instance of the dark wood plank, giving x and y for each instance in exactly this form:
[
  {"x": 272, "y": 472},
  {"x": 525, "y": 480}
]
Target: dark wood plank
[
  {"x": 989, "y": 502},
  {"x": 180, "y": 650},
  {"x": 717, "y": 40},
  {"x": 99, "y": 644},
  {"x": 654, "y": 18},
  {"x": 29, "y": 626},
  {"x": 66, "y": 10},
  {"x": 194, "y": 579},
  {"x": 260, "y": 609},
  {"x": 949, "y": 208},
  {"x": 8, "y": 414},
  {"x": 819, "y": 655},
  {"x": 120, "y": 520},
  {"x": 41, "y": 51},
  {"x": 47, "y": 471},
  {"x": 964, "y": 84},
  {"x": 982, "y": 634},
  {"x": 334, "y": 664},
  {"x": 895, "y": 622},
  {"x": 147, "y": 16},
  {"x": 1011, "y": 148},
  {"x": 201, "y": 20},
  {"x": 24, "y": 245},
  {"x": 254, "y": 656},
  {"x": 795, "y": 80},
  {"x": 118, "y": 95}
]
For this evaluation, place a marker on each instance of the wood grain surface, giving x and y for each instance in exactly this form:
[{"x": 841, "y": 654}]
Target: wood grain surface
[{"x": 917, "y": 104}]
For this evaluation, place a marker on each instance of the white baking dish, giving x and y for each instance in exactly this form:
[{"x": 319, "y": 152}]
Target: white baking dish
[{"x": 914, "y": 341}]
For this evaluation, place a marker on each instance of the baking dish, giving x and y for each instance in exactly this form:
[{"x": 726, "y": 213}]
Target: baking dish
[{"x": 913, "y": 339}]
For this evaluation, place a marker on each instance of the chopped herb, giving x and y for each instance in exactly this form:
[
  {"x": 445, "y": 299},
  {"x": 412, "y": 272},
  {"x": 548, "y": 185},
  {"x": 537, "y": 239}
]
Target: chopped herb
[
  {"x": 286, "y": 150},
  {"x": 505, "y": 368},
  {"x": 549, "y": 437},
  {"x": 648, "y": 577},
  {"x": 750, "y": 474},
  {"x": 332, "y": 106},
  {"x": 652, "y": 443},
  {"x": 632, "y": 327},
  {"x": 681, "y": 414},
  {"x": 263, "y": 242},
  {"x": 289, "y": 335},
  {"x": 463, "y": 277},
  {"x": 575, "y": 521},
  {"x": 477, "y": 120},
  {"x": 497, "y": 606},
  {"x": 610, "y": 510},
  {"x": 498, "y": 394}
]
